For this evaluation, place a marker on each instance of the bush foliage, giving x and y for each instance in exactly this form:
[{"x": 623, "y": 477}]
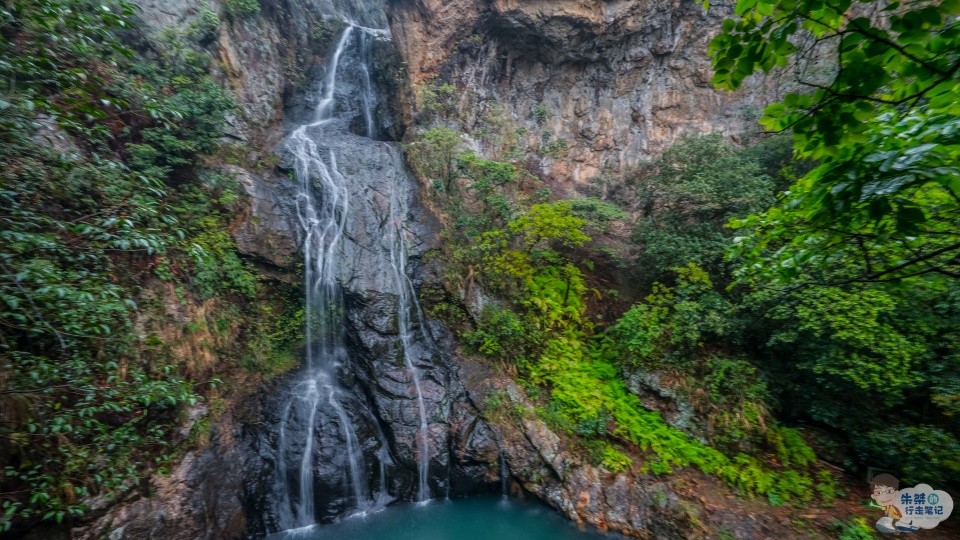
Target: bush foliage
[{"x": 102, "y": 191}]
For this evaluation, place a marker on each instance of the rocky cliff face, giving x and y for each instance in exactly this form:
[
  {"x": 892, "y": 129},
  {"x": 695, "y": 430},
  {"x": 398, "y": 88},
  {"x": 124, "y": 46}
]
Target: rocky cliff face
[
  {"x": 272, "y": 61},
  {"x": 616, "y": 81},
  {"x": 267, "y": 59}
]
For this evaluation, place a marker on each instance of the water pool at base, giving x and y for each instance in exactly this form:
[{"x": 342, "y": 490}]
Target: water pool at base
[{"x": 474, "y": 518}]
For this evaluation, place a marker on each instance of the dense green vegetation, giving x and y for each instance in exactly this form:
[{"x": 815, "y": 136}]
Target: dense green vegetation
[
  {"x": 508, "y": 239},
  {"x": 109, "y": 221},
  {"x": 855, "y": 266},
  {"x": 685, "y": 198},
  {"x": 756, "y": 310},
  {"x": 882, "y": 122}
]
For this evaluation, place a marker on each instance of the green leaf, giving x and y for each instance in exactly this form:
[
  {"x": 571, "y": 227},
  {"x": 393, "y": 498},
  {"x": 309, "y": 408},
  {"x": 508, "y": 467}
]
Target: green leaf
[{"x": 743, "y": 6}]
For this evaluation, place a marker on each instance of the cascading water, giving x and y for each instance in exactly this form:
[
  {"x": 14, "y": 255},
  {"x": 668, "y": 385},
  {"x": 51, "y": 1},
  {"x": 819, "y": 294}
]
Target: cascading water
[
  {"x": 323, "y": 223},
  {"x": 368, "y": 98},
  {"x": 408, "y": 311},
  {"x": 323, "y": 206},
  {"x": 504, "y": 476}
]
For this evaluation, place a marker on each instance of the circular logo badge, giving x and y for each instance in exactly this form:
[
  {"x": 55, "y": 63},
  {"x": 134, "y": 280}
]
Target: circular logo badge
[{"x": 933, "y": 498}]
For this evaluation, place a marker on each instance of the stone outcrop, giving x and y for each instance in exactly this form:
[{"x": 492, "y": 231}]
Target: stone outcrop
[
  {"x": 268, "y": 229},
  {"x": 684, "y": 505},
  {"x": 202, "y": 497},
  {"x": 616, "y": 81}
]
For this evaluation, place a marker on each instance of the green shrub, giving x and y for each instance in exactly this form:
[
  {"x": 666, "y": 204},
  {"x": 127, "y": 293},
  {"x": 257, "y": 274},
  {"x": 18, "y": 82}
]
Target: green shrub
[
  {"x": 276, "y": 335},
  {"x": 597, "y": 213},
  {"x": 828, "y": 487},
  {"x": 790, "y": 447},
  {"x": 217, "y": 267},
  {"x": 733, "y": 380},
  {"x": 204, "y": 28},
  {"x": 242, "y": 8},
  {"x": 688, "y": 195},
  {"x": 549, "y": 223},
  {"x": 540, "y": 113},
  {"x": 432, "y": 153},
  {"x": 669, "y": 327},
  {"x": 437, "y": 100},
  {"x": 502, "y": 334},
  {"x": 855, "y": 529},
  {"x": 554, "y": 148},
  {"x": 613, "y": 460},
  {"x": 934, "y": 454},
  {"x": 637, "y": 335},
  {"x": 851, "y": 337},
  {"x": 793, "y": 485},
  {"x": 485, "y": 171}
]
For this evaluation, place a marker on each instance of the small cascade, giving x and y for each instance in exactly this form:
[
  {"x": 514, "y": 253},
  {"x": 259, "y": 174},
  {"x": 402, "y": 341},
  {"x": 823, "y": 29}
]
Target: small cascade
[
  {"x": 408, "y": 313},
  {"x": 306, "y": 510},
  {"x": 383, "y": 460},
  {"x": 354, "y": 456},
  {"x": 504, "y": 476},
  {"x": 367, "y": 99}
]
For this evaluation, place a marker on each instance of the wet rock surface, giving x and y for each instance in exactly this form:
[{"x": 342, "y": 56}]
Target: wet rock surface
[
  {"x": 200, "y": 498},
  {"x": 673, "y": 405},
  {"x": 268, "y": 230}
]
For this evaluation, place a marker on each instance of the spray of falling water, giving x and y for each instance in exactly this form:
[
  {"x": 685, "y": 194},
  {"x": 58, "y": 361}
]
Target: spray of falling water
[
  {"x": 323, "y": 220},
  {"x": 323, "y": 204},
  {"x": 408, "y": 312}
]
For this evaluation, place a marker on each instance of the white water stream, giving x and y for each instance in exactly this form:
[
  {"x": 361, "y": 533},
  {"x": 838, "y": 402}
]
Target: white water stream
[
  {"x": 323, "y": 204},
  {"x": 408, "y": 313}
]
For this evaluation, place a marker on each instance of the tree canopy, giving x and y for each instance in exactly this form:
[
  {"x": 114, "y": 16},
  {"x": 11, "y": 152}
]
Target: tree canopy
[
  {"x": 686, "y": 197},
  {"x": 877, "y": 107}
]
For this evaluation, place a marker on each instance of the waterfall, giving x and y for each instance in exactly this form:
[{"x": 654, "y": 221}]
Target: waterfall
[
  {"x": 383, "y": 459},
  {"x": 408, "y": 311},
  {"x": 354, "y": 457},
  {"x": 368, "y": 100},
  {"x": 323, "y": 206},
  {"x": 323, "y": 221}
]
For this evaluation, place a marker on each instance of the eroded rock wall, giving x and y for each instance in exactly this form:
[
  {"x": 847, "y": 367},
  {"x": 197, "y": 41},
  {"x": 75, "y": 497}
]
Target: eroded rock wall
[{"x": 617, "y": 81}]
